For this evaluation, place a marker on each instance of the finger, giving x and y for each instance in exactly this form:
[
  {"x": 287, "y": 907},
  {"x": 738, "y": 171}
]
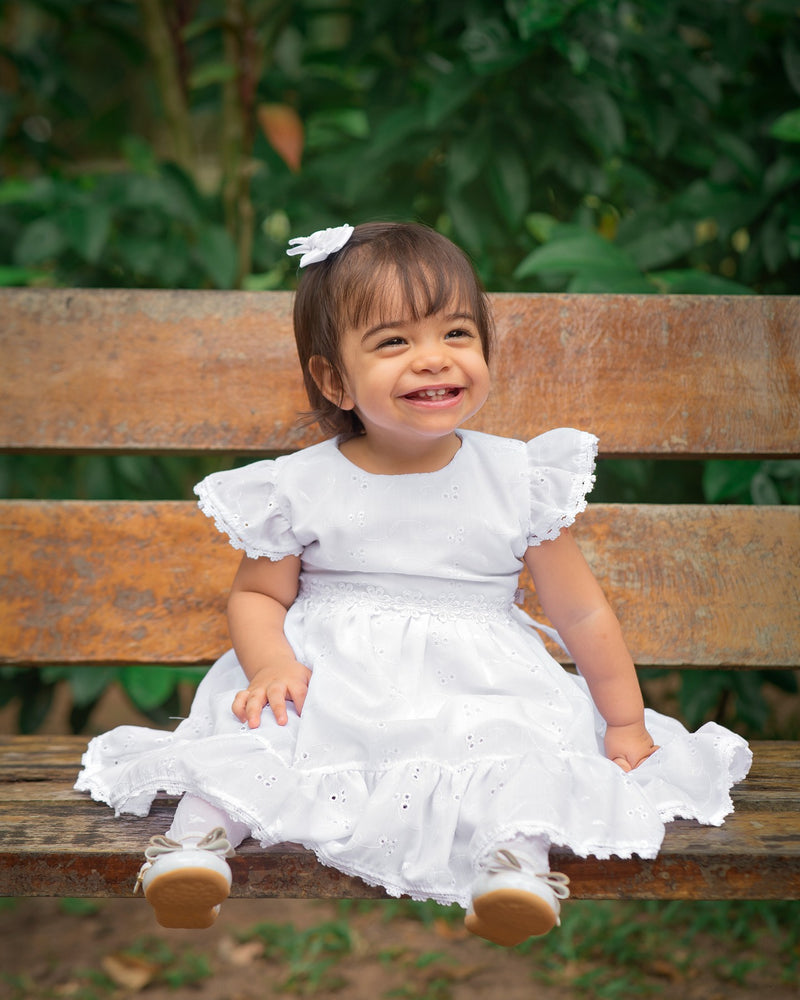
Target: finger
[
  {"x": 239, "y": 706},
  {"x": 256, "y": 700},
  {"x": 277, "y": 702},
  {"x": 298, "y": 695}
]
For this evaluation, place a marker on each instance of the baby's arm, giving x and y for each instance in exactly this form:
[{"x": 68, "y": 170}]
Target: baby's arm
[
  {"x": 573, "y": 601},
  {"x": 261, "y": 594}
]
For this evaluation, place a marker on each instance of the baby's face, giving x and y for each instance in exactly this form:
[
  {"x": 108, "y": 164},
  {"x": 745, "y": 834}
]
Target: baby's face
[{"x": 414, "y": 379}]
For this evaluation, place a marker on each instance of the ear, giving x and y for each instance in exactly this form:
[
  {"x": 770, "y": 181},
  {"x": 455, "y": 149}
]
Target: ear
[{"x": 329, "y": 382}]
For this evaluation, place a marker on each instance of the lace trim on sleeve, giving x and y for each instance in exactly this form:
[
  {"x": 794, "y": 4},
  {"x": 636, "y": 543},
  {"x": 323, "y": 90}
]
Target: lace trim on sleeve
[
  {"x": 268, "y": 534},
  {"x": 560, "y": 482}
]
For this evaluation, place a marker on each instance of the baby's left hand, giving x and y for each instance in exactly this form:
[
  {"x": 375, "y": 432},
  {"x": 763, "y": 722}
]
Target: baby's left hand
[{"x": 629, "y": 745}]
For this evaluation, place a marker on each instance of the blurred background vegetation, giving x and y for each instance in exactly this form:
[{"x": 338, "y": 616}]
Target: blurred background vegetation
[{"x": 646, "y": 146}]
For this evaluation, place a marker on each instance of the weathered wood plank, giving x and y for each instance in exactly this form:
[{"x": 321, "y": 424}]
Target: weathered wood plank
[
  {"x": 58, "y": 842},
  {"x": 147, "y": 582},
  {"x": 647, "y": 380},
  {"x": 77, "y": 848}
]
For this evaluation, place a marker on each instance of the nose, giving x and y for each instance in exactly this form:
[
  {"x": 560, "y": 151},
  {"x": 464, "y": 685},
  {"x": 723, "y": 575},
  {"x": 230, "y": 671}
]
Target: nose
[{"x": 430, "y": 358}]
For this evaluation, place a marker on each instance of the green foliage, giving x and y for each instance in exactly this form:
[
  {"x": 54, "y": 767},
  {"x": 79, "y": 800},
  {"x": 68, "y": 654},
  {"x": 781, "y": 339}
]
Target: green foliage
[
  {"x": 155, "y": 692},
  {"x": 580, "y": 145},
  {"x": 589, "y": 145},
  {"x": 145, "y": 227}
]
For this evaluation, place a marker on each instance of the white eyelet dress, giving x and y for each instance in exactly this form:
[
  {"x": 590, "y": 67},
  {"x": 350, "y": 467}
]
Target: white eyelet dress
[{"x": 436, "y": 725}]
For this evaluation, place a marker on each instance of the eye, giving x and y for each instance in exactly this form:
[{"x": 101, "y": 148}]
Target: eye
[
  {"x": 390, "y": 342},
  {"x": 458, "y": 334}
]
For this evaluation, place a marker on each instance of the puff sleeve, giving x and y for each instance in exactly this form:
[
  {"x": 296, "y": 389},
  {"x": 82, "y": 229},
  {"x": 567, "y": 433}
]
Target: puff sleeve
[
  {"x": 561, "y": 473},
  {"x": 247, "y": 506}
]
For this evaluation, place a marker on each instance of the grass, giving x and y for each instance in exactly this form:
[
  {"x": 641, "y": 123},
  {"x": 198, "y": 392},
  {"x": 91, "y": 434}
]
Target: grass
[
  {"x": 603, "y": 950},
  {"x": 616, "y": 949}
]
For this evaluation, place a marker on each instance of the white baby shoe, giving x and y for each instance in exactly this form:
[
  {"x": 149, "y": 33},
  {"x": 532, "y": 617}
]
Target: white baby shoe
[
  {"x": 511, "y": 903},
  {"x": 186, "y": 881}
]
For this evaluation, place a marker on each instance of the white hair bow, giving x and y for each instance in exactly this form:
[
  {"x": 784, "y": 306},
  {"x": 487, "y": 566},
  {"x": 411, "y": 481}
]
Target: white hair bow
[{"x": 320, "y": 245}]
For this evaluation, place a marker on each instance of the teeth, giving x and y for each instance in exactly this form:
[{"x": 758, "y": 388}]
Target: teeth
[{"x": 431, "y": 393}]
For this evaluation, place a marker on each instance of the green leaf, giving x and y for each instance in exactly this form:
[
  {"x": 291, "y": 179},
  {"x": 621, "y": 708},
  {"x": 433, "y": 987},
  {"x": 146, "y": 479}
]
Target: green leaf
[
  {"x": 139, "y": 154},
  {"x": 763, "y": 489},
  {"x": 147, "y": 687},
  {"x": 787, "y": 127},
  {"x": 142, "y": 255},
  {"x": 751, "y": 704},
  {"x": 449, "y": 92},
  {"x": 87, "y": 227},
  {"x": 535, "y": 16},
  {"x": 199, "y": 26},
  {"x": 700, "y": 694},
  {"x": 216, "y": 72},
  {"x": 328, "y": 127},
  {"x": 703, "y": 80},
  {"x": 598, "y": 115},
  {"x": 465, "y": 160},
  {"x": 17, "y": 276},
  {"x": 742, "y": 154},
  {"x": 216, "y": 254},
  {"x": 395, "y": 128},
  {"x": 692, "y": 282},
  {"x": 510, "y": 184},
  {"x": 728, "y": 480},
  {"x": 588, "y": 252},
  {"x": 86, "y": 684},
  {"x": 465, "y": 222},
  {"x": 791, "y": 62},
  {"x": 610, "y": 282},
  {"x": 489, "y": 47},
  {"x": 541, "y": 226},
  {"x": 38, "y": 192},
  {"x": 658, "y": 247},
  {"x": 41, "y": 241}
]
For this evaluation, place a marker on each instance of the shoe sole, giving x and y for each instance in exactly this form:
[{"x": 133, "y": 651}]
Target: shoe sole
[
  {"x": 510, "y": 916},
  {"x": 187, "y": 897}
]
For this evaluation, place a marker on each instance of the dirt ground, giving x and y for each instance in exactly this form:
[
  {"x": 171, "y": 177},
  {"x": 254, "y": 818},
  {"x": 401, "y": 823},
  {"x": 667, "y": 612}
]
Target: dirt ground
[{"x": 93, "y": 950}]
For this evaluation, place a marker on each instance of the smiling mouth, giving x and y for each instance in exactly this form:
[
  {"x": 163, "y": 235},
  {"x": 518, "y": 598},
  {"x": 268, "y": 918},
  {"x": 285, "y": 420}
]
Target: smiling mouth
[{"x": 434, "y": 395}]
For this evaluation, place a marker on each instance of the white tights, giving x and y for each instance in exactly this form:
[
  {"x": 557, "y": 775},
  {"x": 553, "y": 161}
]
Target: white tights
[
  {"x": 534, "y": 849},
  {"x": 195, "y": 817}
]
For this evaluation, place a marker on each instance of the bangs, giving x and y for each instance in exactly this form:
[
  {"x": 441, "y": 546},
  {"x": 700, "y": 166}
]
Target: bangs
[
  {"x": 406, "y": 273},
  {"x": 408, "y": 294}
]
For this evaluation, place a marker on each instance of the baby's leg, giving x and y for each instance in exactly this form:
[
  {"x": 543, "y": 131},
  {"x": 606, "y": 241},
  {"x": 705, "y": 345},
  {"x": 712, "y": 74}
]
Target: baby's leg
[
  {"x": 186, "y": 877},
  {"x": 515, "y": 895},
  {"x": 195, "y": 817}
]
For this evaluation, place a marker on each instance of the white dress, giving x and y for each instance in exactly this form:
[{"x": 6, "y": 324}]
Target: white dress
[{"x": 436, "y": 724}]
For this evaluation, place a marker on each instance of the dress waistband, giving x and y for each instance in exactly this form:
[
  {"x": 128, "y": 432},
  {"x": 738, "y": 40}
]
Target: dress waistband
[{"x": 409, "y": 602}]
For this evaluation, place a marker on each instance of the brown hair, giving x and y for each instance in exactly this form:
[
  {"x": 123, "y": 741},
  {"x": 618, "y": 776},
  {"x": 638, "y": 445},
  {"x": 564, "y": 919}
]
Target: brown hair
[{"x": 351, "y": 287}]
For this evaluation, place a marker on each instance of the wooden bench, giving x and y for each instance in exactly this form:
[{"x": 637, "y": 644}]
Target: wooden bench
[{"x": 702, "y": 587}]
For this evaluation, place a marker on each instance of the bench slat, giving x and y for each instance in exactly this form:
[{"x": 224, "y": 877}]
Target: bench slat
[
  {"x": 70, "y": 846},
  {"x": 58, "y": 842},
  {"x": 205, "y": 371},
  {"x": 130, "y": 583}
]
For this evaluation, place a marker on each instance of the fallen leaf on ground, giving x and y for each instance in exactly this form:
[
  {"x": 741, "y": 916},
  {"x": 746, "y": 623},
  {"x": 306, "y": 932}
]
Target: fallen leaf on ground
[
  {"x": 240, "y": 955},
  {"x": 129, "y": 972}
]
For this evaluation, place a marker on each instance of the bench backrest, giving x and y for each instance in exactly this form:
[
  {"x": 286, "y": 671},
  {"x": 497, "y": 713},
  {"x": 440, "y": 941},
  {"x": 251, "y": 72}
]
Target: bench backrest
[{"x": 216, "y": 372}]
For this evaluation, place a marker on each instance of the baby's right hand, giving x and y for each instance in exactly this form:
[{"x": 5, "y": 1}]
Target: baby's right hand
[
  {"x": 273, "y": 686},
  {"x": 627, "y": 746}
]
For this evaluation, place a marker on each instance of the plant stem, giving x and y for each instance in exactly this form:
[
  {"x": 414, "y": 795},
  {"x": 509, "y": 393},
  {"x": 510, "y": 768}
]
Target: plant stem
[{"x": 171, "y": 89}]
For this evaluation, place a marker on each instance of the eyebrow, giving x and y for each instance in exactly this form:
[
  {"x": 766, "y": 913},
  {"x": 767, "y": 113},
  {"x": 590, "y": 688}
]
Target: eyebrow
[{"x": 395, "y": 323}]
